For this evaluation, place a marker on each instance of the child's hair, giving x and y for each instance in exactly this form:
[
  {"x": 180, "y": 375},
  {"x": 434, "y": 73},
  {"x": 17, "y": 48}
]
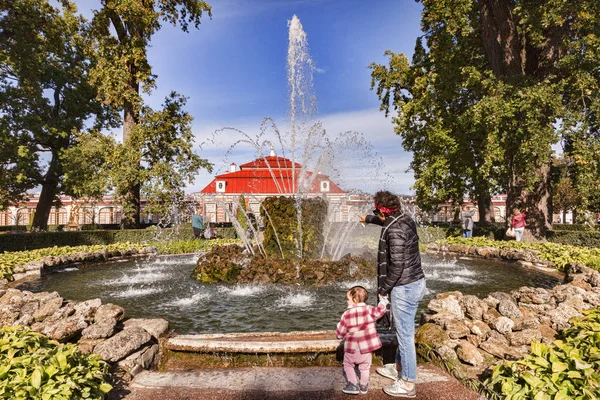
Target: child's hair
[{"x": 358, "y": 294}]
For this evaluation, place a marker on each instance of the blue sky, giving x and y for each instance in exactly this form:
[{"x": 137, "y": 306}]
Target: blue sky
[{"x": 233, "y": 69}]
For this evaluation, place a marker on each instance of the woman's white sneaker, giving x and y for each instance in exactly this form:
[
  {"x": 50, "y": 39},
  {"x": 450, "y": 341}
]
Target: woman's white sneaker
[
  {"x": 399, "y": 389},
  {"x": 389, "y": 371}
]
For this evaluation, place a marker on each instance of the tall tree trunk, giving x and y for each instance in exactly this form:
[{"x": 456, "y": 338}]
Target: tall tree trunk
[
  {"x": 536, "y": 204},
  {"x": 485, "y": 208},
  {"x": 48, "y": 194},
  {"x": 131, "y": 208}
]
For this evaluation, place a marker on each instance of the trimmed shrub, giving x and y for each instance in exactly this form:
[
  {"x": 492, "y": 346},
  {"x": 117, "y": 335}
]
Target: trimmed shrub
[
  {"x": 35, "y": 367},
  {"x": 575, "y": 227},
  {"x": 575, "y": 238},
  {"x": 41, "y": 240},
  {"x": 281, "y": 226}
]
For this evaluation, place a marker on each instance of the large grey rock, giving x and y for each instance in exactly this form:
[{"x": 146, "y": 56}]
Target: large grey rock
[
  {"x": 561, "y": 315},
  {"x": 468, "y": 353},
  {"x": 499, "y": 350},
  {"x": 100, "y": 330},
  {"x": 86, "y": 346},
  {"x": 503, "y": 325},
  {"x": 532, "y": 295},
  {"x": 563, "y": 292},
  {"x": 490, "y": 316},
  {"x": 24, "y": 320},
  {"x": 157, "y": 327},
  {"x": 523, "y": 338},
  {"x": 64, "y": 329},
  {"x": 108, "y": 312},
  {"x": 144, "y": 358},
  {"x": 496, "y": 337},
  {"x": 65, "y": 311},
  {"x": 449, "y": 304},
  {"x": 8, "y": 314},
  {"x": 48, "y": 308},
  {"x": 441, "y": 318},
  {"x": 509, "y": 309},
  {"x": 548, "y": 334},
  {"x": 88, "y": 308},
  {"x": 457, "y": 329},
  {"x": 527, "y": 322},
  {"x": 592, "y": 298},
  {"x": 501, "y": 296},
  {"x": 122, "y": 344},
  {"x": 480, "y": 328},
  {"x": 474, "y": 308}
]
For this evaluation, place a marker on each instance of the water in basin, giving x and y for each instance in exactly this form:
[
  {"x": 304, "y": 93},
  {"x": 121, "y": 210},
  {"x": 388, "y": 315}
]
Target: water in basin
[{"x": 162, "y": 287}]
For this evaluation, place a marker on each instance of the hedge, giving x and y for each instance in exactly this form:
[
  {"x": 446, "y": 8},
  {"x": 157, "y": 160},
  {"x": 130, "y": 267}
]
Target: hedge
[
  {"x": 575, "y": 238},
  {"x": 575, "y": 227},
  {"x": 40, "y": 240}
]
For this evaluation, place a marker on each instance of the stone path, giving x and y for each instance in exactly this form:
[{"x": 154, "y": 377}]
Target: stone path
[{"x": 281, "y": 383}]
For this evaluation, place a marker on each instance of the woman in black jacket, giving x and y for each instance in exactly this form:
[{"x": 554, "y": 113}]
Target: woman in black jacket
[{"x": 399, "y": 275}]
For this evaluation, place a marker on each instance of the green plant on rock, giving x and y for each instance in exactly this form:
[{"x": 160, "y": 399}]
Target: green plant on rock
[
  {"x": 281, "y": 226},
  {"x": 35, "y": 367},
  {"x": 567, "y": 369}
]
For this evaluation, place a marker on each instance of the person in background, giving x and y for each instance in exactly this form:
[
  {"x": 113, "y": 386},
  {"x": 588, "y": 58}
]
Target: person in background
[
  {"x": 357, "y": 327},
  {"x": 197, "y": 225},
  {"x": 467, "y": 221},
  {"x": 209, "y": 232},
  {"x": 518, "y": 223}
]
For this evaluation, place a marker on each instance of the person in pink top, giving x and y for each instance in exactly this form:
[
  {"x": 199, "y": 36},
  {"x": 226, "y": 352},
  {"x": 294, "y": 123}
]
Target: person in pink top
[
  {"x": 518, "y": 223},
  {"x": 357, "y": 327}
]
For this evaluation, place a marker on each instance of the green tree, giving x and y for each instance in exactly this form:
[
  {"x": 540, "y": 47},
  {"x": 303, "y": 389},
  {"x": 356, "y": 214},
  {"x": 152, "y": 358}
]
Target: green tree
[
  {"x": 45, "y": 97},
  {"x": 123, "y": 30},
  {"x": 491, "y": 86}
]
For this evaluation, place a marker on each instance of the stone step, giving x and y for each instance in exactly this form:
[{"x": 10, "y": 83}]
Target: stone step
[
  {"x": 269, "y": 379},
  {"x": 264, "y": 342},
  {"x": 261, "y": 342}
]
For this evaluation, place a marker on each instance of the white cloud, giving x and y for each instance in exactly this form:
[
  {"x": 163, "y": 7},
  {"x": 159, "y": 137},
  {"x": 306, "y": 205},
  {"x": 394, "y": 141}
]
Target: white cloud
[{"x": 370, "y": 155}]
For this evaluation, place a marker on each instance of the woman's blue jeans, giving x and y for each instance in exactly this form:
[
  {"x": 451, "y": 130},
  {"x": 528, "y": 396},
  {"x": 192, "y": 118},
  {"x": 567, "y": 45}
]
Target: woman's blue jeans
[{"x": 405, "y": 301}]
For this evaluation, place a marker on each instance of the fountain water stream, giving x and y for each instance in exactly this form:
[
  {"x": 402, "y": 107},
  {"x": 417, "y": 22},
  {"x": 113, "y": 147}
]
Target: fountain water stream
[{"x": 311, "y": 149}]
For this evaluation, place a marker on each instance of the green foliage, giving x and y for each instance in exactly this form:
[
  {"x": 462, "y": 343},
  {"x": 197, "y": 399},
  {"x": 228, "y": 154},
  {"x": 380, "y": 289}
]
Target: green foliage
[
  {"x": 9, "y": 260},
  {"x": 40, "y": 240},
  {"x": 559, "y": 254},
  {"x": 281, "y": 226},
  {"x": 190, "y": 246},
  {"x": 34, "y": 367},
  {"x": 43, "y": 103},
  {"x": 575, "y": 227},
  {"x": 240, "y": 216},
  {"x": 488, "y": 85},
  {"x": 568, "y": 369},
  {"x": 575, "y": 238},
  {"x": 157, "y": 145}
]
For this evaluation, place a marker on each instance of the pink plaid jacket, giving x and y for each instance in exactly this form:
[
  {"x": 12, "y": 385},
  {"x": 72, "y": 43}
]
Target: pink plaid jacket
[{"x": 357, "y": 326}]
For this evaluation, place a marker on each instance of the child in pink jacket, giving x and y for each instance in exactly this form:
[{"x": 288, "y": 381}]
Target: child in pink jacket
[{"x": 357, "y": 326}]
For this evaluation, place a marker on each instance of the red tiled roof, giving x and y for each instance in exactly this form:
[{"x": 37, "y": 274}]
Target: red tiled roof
[
  {"x": 255, "y": 177},
  {"x": 275, "y": 162}
]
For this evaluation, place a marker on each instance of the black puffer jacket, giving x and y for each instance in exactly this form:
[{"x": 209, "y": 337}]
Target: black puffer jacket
[{"x": 398, "y": 260}]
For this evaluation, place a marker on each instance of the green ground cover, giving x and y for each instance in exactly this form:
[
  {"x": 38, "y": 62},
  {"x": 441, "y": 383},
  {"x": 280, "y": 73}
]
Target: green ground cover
[
  {"x": 560, "y": 255},
  {"x": 10, "y": 260},
  {"x": 35, "y": 367},
  {"x": 569, "y": 368}
]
